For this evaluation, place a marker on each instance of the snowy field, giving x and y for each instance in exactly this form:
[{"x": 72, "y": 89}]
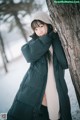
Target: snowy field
[{"x": 9, "y": 84}]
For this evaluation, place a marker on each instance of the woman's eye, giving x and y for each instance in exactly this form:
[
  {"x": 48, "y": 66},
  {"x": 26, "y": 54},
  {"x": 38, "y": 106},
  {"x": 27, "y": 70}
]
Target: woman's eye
[{"x": 41, "y": 26}]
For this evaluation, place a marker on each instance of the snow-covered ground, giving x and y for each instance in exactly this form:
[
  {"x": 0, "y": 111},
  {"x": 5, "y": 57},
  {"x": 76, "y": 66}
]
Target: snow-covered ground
[
  {"x": 9, "y": 84},
  {"x": 75, "y": 110}
]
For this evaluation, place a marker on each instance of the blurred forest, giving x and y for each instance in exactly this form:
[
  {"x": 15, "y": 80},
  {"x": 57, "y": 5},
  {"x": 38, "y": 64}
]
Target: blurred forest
[{"x": 15, "y": 14}]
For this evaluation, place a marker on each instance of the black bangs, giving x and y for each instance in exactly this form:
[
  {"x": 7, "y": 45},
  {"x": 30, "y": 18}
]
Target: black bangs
[{"x": 36, "y": 24}]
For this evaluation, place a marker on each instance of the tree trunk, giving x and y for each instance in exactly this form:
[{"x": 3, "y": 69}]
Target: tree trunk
[
  {"x": 3, "y": 54},
  {"x": 66, "y": 18},
  {"x": 20, "y": 26}
]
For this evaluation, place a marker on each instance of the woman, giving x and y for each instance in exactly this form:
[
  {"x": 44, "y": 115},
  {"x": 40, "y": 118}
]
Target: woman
[{"x": 43, "y": 94}]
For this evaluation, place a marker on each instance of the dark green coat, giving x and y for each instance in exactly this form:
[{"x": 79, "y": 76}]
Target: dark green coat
[{"x": 29, "y": 96}]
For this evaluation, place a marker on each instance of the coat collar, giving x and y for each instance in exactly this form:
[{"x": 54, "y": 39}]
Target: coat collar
[{"x": 34, "y": 36}]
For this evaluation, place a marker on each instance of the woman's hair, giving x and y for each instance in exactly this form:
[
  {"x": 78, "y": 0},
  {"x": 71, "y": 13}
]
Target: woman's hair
[{"x": 36, "y": 24}]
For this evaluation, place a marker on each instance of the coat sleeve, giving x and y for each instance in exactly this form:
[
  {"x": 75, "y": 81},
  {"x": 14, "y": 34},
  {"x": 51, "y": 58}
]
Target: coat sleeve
[
  {"x": 58, "y": 49},
  {"x": 34, "y": 49}
]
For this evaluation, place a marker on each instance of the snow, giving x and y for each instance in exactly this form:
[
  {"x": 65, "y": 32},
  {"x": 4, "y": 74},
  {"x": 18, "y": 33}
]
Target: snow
[
  {"x": 75, "y": 110},
  {"x": 10, "y": 82}
]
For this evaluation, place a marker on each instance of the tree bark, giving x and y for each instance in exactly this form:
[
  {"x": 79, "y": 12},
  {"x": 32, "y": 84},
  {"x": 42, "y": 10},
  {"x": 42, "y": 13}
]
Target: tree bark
[{"x": 66, "y": 19}]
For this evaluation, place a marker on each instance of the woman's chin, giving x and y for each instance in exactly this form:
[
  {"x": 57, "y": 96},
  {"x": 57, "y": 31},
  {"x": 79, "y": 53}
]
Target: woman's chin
[{"x": 41, "y": 35}]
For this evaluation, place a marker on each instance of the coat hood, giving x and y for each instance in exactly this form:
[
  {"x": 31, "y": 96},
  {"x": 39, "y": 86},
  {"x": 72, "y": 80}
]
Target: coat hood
[{"x": 43, "y": 16}]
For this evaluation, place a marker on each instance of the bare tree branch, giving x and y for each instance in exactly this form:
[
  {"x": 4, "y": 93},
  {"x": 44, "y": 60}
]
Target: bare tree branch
[
  {"x": 10, "y": 8},
  {"x": 20, "y": 26}
]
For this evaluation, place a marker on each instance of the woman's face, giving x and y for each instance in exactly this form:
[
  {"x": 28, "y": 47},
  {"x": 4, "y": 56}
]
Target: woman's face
[{"x": 41, "y": 30}]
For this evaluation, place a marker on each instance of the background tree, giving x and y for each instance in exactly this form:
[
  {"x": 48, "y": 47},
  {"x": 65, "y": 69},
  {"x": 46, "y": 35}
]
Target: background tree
[
  {"x": 9, "y": 9},
  {"x": 66, "y": 19},
  {"x": 3, "y": 53}
]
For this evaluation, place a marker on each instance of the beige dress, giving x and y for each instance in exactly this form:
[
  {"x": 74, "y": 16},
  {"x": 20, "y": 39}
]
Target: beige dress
[{"x": 51, "y": 94}]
